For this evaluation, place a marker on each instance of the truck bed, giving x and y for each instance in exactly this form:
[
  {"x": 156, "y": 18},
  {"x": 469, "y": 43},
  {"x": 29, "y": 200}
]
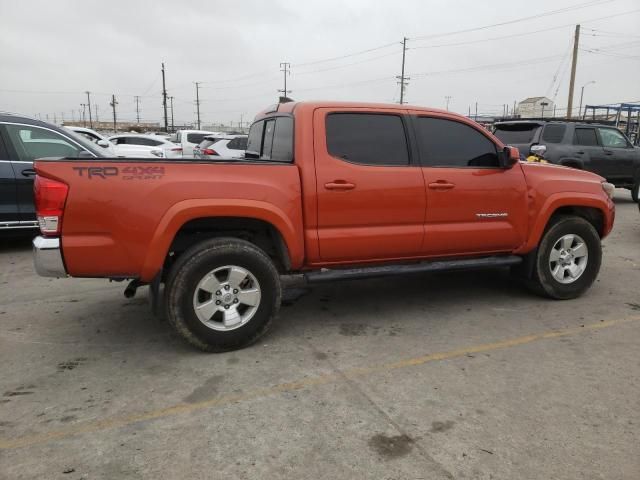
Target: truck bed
[{"x": 121, "y": 215}]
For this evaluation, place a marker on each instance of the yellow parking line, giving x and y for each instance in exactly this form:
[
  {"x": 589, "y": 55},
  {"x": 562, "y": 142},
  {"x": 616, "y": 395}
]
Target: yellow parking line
[{"x": 115, "y": 422}]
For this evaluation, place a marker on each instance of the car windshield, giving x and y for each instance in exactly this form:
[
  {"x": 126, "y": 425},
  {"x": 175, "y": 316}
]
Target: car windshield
[
  {"x": 516, "y": 132},
  {"x": 208, "y": 141},
  {"x": 82, "y": 140}
]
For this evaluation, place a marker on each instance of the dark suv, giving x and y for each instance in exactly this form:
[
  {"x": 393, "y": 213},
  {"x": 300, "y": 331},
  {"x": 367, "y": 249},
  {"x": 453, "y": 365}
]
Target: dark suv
[
  {"x": 597, "y": 148},
  {"x": 22, "y": 140}
]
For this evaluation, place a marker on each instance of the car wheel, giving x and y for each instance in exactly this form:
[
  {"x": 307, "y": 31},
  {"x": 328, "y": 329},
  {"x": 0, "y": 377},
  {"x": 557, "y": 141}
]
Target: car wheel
[
  {"x": 222, "y": 294},
  {"x": 568, "y": 259},
  {"x": 634, "y": 192}
]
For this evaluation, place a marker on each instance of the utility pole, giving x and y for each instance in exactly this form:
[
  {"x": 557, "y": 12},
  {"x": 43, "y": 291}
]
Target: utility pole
[
  {"x": 476, "y": 119},
  {"x": 89, "y": 105},
  {"x": 403, "y": 81},
  {"x": 164, "y": 100},
  {"x": 84, "y": 117},
  {"x": 574, "y": 63},
  {"x": 173, "y": 129},
  {"x": 198, "y": 101},
  {"x": 113, "y": 105},
  {"x": 447, "y": 98},
  {"x": 96, "y": 105},
  {"x": 137, "y": 99},
  {"x": 55, "y": 119},
  {"x": 285, "y": 67}
]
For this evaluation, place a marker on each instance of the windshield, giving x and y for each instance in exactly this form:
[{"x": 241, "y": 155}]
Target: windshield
[
  {"x": 84, "y": 142},
  {"x": 515, "y": 133}
]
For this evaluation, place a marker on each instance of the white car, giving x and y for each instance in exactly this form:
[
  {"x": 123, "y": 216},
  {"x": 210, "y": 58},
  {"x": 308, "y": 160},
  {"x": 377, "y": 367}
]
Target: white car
[
  {"x": 188, "y": 139},
  {"x": 145, "y": 146},
  {"x": 94, "y": 137},
  {"x": 225, "y": 146}
]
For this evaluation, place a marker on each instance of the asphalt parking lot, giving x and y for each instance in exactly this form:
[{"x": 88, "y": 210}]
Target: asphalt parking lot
[{"x": 461, "y": 375}]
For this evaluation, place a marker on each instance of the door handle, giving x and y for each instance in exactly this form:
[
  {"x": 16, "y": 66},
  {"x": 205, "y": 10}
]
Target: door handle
[
  {"x": 441, "y": 185},
  {"x": 580, "y": 153},
  {"x": 28, "y": 172},
  {"x": 340, "y": 185},
  {"x": 607, "y": 152}
]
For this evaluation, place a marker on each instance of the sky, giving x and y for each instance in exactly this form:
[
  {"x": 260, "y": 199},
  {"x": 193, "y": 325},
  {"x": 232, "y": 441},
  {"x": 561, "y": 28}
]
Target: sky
[{"x": 492, "y": 53}]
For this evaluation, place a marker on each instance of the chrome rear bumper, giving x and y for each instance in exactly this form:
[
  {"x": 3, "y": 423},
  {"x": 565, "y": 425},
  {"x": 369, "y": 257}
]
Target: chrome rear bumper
[{"x": 47, "y": 257}]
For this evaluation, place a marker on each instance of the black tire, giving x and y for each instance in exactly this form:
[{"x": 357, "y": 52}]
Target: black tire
[
  {"x": 634, "y": 192},
  {"x": 543, "y": 282},
  {"x": 196, "y": 263}
]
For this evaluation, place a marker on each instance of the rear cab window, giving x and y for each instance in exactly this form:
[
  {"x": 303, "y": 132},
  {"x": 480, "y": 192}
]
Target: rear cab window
[
  {"x": 195, "y": 138},
  {"x": 271, "y": 139},
  {"x": 516, "y": 133}
]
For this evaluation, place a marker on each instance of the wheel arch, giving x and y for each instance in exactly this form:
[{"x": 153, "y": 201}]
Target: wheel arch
[{"x": 193, "y": 220}]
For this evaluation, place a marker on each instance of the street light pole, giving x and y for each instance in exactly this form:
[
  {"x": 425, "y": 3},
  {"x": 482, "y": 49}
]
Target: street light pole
[
  {"x": 543, "y": 104},
  {"x": 582, "y": 95}
]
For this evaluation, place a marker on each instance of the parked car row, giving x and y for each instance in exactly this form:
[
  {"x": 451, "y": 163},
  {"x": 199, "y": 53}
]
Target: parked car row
[
  {"x": 187, "y": 144},
  {"x": 600, "y": 149}
]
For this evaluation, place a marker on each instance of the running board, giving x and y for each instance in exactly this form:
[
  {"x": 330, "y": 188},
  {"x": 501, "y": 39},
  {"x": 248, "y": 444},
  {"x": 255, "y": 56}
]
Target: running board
[{"x": 327, "y": 275}]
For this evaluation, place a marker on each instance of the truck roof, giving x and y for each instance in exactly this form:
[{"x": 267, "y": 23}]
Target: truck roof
[{"x": 289, "y": 107}]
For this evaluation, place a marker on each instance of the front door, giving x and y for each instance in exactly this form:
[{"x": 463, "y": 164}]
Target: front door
[
  {"x": 619, "y": 156},
  {"x": 371, "y": 201},
  {"x": 473, "y": 205},
  {"x": 589, "y": 150}
]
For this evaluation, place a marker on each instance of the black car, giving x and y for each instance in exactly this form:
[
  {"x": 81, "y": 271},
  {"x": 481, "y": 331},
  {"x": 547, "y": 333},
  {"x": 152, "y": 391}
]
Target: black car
[
  {"x": 22, "y": 140},
  {"x": 601, "y": 149}
]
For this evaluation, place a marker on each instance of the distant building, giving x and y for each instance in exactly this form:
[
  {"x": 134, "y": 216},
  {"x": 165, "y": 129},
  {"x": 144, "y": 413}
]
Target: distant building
[{"x": 532, "y": 107}]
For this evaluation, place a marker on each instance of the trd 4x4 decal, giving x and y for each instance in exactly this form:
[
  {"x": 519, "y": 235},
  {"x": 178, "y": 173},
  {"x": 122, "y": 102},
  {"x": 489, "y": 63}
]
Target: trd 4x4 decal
[{"x": 127, "y": 173}]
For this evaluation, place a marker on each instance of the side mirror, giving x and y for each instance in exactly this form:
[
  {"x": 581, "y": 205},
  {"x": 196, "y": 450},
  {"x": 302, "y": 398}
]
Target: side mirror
[
  {"x": 102, "y": 143},
  {"x": 538, "y": 150},
  {"x": 509, "y": 156}
]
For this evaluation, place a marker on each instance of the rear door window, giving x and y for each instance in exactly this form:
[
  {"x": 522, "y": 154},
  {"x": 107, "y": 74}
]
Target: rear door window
[
  {"x": 368, "y": 139},
  {"x": 511, "y": 134},
  {"x": 586, "y": 137},
  {"x": 239, "y": 143}
]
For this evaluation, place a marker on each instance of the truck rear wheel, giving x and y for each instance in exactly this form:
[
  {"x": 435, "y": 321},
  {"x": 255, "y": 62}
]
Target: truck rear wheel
[
  {"x": 634, "y": 191},
  {"x": 568, "y": 259},
  {"x": 222, "y": 294}
]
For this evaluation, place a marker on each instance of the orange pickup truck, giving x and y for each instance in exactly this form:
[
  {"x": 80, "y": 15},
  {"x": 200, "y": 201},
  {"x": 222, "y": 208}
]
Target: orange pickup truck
[{"x": 326, "y": 191}]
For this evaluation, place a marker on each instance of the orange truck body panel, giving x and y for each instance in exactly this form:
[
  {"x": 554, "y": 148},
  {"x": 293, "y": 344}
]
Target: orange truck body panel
[{"x": 123, "y": 225}]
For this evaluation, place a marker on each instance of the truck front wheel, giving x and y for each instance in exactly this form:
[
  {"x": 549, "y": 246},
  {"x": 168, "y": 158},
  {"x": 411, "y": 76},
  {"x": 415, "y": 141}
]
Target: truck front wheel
[
  {"x": 222, "y": 294},
  {"x": 568, "y": 259}
]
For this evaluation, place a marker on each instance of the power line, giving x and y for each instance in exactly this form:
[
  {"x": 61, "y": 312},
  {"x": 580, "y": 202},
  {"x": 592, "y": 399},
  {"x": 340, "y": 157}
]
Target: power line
[{"x": 517, "y": 20}]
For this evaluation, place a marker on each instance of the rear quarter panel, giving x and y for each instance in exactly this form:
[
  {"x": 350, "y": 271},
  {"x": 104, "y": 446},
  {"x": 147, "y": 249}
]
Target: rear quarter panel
[{"x": 122, "y": 224}]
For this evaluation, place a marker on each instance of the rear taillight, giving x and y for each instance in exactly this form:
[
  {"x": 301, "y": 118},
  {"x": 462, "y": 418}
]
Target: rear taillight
[
  {"x": 176, "y": 149},
  {"x": 50, "y": 197},
  {"x": 209, "y": 151}
]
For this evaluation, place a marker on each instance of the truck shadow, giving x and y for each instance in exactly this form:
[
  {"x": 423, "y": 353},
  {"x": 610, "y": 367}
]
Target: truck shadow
[{"x": 15, "y": 242}]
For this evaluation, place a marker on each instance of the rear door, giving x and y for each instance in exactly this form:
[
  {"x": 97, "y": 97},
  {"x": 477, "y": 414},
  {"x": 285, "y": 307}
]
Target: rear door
[
  {"x": 9, "y": 214},
  {"x": 619, "y": 155},
  {"x": 473, "y": 205},
  {"x": 589, "y": 150},
  {"x": 370, "y": 191}
]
